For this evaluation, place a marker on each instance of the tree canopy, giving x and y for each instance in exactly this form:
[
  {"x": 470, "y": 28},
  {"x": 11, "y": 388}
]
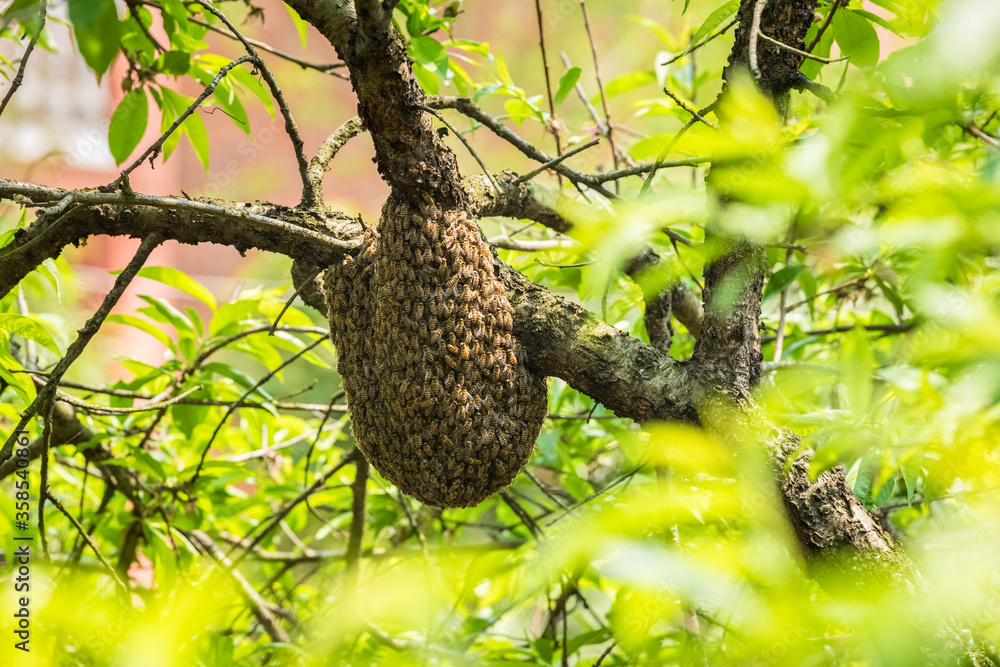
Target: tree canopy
[{"x": 756, "y": 256}]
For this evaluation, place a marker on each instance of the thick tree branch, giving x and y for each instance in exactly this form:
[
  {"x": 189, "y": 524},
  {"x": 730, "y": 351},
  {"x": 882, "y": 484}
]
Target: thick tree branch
[
  {"x": 328, "y": 150},
  {"x": 319, "y": 236},
  {"x": 521, "y": 200},
  {"x": 562, "y": 339},
  {"x": 410, "y": 155},
  {"x": 256, "y": 602},
  {"x": 619, "y": 371}
]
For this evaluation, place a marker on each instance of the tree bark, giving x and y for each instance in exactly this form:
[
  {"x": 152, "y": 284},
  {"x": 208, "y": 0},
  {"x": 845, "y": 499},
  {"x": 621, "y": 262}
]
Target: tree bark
[{"x": 715, "y": 389}]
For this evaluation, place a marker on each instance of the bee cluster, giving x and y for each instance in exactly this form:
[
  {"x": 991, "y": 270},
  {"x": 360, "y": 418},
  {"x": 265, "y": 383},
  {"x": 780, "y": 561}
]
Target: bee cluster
[{"x": 441, "y": 402}]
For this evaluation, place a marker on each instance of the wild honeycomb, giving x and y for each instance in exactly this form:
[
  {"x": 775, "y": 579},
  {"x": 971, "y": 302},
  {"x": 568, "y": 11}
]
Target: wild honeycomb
[{"x": 441, "y": 402}]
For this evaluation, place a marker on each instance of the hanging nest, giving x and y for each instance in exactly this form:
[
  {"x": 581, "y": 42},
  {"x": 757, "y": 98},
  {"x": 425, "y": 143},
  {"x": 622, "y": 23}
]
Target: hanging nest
[{"x": 441, "y": 402}]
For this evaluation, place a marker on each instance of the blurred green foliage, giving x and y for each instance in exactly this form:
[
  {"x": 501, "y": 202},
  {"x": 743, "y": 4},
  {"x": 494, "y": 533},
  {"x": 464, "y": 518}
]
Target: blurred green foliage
[{"x": 617, "y": 546}]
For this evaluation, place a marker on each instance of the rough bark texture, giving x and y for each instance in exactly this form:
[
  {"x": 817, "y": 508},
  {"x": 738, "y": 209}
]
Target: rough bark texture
[
  {"x": 441, "y": 401},
  {"x": 788, "y": 22}
]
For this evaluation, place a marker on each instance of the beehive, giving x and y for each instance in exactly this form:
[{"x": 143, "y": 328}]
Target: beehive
[{"x": 441, "y": 402}]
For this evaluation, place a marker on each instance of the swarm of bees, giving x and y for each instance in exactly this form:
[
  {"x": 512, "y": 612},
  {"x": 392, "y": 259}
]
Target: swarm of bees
[{"x": 442, "y": 404}]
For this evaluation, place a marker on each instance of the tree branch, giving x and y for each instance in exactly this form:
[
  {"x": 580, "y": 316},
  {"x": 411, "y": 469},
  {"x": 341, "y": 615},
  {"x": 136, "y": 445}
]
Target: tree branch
[
  {"x": 328, "y": 150},
  {"x": 86, "y": 333},
  {"x": 322, "y": 236},
  {"x": 19, "y": 77},
  {"x": 308, "y": 194}
]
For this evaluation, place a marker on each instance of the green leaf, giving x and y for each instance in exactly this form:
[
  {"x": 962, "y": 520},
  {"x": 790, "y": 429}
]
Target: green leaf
[
  {"x": 518, "y": 110},
  {"x": 246, "y": 79},
  {"x": 910, "y": 467},
  {"x": 145, "y": 326},
  {"x": 875, "y": 18},
  {"x": 856, "y": 37},
  {"x": 629, "y": 81},
  {"x": 811, "y": 68},
  {"x": 161, "y": 311},
  {"x": 857, "y": 365},
  {"x": 29, "y": 328},
  {"x": 656, "y": 28},
  {"x": 174, "y": 63},
  {"x": 869, "y": 467},
  {"x": 428, "y": 79},
  {"x": 426, "y": 50},
  {"x": 21, "y": 382},
  {"x": 567, "y": 83},
  {"x": 176, "y": 10},
  {"x": 194, "y": 130},
  {"x": 225, "y": 94},
  {"x": 96, "y": 28},
  {"x": 175, "y": 104},
  {"x": 49, "y": 271},
  {"x": 714, "y": 20},
  {"x": 300, "y": 25},
  {"x": 144, "y": 462},
  {"x": 470, "y": 46},
  {"x": 885, "y": 491},
  {"x": 128, "y": 124},
  {"x": 780, "y": 280},
  {"x": 504, "y": 72},
  {"x": 180, "y": 280}
]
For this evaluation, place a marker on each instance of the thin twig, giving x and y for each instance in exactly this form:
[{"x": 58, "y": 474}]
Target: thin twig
[
  {"x": 468, "y": 146},
  {"x": 85, "y": 335},
  {"x": 640, "y": 169},
  {"x": 859, "y": 282},
  {"x": 258, "y": 605},
  {"x": 758, "y": 10},
  {"x": 328, "y": 150},
  {"x": 837, "y": 4},
  {"x": 466, "y": 106},
  {"x": 600, "y": 88},
  {"x": 804, "y": 54},
  {"x": 978, "y": 132},
  {"x": 602, "y": 127},
  {"x": 723, "y": 30},
  {"x": 326, "y": 69},
  {"x": 157, "y": 145},
  {"x": 553, "y": 125},
  {"x": 209, "y": 351},
  {"x": 232, "y": 408},
  {"x": 359, "y": 492},
  {"x": 661, "y": 158},
  {"x": 319, "y": 434},
  {"x": 508, "y": 243},
  {"x": 43, "y": 483},
  {"x": 523, "y": 515},
  {"x": 305, "y": 283},
  {"x": 544, "y": 488},
  {"x": 278, "y": 405},
  {"x": 106, "y": 410},
  {"x": 134, "y": 12},
  {"x": 348, "y": 458},
  {"x": 779, "y": 341},
  {"x": 19, "y": 77},
  {"x": 884, "y": 329},
  {"x": 556, "y": 160},
  {"x": 687, "y": 107},
  {"x": 565, "y": 266},
  {"x": 309, "y": 196},
  {"x": 122, "y": 588}
]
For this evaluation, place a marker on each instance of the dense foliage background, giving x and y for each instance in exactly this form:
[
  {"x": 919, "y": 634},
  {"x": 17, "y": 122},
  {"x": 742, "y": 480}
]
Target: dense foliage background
[{"x": 879, "y": 200}]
